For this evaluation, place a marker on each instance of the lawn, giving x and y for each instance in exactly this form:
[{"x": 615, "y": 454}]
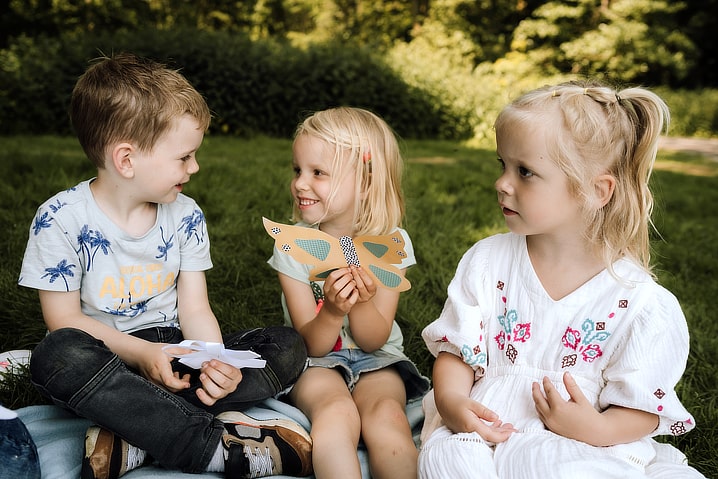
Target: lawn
[{"x": 451, "y": 204}]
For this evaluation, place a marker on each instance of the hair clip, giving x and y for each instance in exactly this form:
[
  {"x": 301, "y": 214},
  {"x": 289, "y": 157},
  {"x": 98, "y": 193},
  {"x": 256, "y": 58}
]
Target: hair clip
[
  {"x": 585, "y": 91},
  {"x": 366, "y": 158},
  {"x": 618, "y": 98},
  {"x": 554, "y": 94}
]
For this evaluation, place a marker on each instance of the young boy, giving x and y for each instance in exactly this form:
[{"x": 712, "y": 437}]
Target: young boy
[{"x": 119, "y": 263}]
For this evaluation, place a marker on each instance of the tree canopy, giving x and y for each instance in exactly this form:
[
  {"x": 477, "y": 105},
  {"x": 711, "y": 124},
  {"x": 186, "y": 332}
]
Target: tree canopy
[{"x": 648, "y": 41}]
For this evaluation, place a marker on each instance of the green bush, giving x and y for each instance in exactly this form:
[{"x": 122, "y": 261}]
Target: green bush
[
  {"x": 251, "y": 86},
  {"x": 265, "y": 87}
]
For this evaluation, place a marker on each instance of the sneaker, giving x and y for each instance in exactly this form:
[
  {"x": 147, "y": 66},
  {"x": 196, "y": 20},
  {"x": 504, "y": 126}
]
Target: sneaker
[
  {"x": 259, "y": 448},
  {"x": 107, "y": 456}
]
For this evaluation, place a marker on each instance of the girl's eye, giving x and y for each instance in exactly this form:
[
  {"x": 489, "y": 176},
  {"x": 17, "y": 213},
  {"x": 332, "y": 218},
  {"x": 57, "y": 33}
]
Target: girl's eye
[
  {"x": 296, "y": 171},
  {"x": 525, "y": 172},
  {"x": 318, "y": 172},
  {"x": 186, "y": 158}
]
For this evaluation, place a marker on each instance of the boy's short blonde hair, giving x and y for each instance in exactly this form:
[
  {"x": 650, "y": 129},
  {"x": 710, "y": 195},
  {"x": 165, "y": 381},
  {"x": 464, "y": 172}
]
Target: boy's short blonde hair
[{"x": 129, "y": 98}]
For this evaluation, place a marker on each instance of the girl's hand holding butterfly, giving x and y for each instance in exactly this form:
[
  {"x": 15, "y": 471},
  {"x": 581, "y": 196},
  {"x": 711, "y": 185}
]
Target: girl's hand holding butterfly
[
  {"x": 340, "y": 292},
  {"x": 365, "y": 286}
]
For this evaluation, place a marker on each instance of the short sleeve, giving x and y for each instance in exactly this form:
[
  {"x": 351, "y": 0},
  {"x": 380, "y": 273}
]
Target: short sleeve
[
  {"x": 460, "y": 327},
  {"x": 648, "y": 364}
]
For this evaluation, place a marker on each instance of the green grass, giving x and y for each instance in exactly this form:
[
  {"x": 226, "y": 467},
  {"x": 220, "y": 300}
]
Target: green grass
[{"x": 451, "y": 204}]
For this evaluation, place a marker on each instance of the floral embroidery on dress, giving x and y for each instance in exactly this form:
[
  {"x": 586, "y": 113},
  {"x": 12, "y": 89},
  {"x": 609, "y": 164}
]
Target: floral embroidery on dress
[
  {"x": 584, "y": 342},
  {"x": 678, "y": 428},
  {"x": 513, "y": 332},
  {"x": 473, "y": 356}
]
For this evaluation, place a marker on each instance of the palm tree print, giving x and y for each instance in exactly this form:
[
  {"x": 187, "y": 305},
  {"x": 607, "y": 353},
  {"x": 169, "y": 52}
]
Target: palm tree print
[
  {"x": 41, "y": 222},
  {"x": 193, "y": 226},
  {"x": 163, "y": 249},
  {"x": 90, "y": 242},
  {"x": 56, "y": 206},
  {"x": 130, "y": 310},
  {"x": 62, "y": 270}
]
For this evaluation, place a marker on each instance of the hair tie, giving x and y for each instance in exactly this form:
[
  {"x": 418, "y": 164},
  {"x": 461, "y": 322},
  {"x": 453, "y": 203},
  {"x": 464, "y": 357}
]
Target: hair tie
[
  {"x": 618, "y": 98},
  {"x": 585, "y": 91},
  {"x": 554, "y": 94}
]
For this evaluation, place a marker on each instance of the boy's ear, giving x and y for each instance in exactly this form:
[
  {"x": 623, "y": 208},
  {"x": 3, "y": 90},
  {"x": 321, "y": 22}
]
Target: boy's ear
[
  {"x": 604, "y": 185},
  {"x": 122, "y": 159}
]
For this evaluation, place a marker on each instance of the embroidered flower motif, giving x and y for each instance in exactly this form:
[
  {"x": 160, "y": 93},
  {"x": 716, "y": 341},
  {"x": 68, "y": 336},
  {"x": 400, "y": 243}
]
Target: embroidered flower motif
[
  {"x": 513, "y": 332},
  {"x": 500, "y": 285},
  {"x": 569, "y": 360},
  {"x": 471, "y": 356},
  {"x": 511, "y": 353},
  {"x": 678, "y": 428},
  {"x": 522, "y": 332},
  {"x": 571, "y": 338},
  {"x": 659, "y": 393},
  {"x": 586, "y": 342},
  {"x": 591, "y": 353}
]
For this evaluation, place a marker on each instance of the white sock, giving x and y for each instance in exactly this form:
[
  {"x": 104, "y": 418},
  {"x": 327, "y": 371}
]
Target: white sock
[{"x": 216, "y": 464}]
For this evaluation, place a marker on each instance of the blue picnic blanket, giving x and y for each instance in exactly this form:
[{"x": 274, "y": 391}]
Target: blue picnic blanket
[{"x": 60, "y": 435}]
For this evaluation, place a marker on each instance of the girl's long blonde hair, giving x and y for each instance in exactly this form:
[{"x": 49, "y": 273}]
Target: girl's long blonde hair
[
  {"x": 592, "y": 129},
  {"x": 365, "y": 146}
]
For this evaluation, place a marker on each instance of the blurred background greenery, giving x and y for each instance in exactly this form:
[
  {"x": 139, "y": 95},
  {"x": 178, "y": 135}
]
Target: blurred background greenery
[{"x": 436, "y": 69}]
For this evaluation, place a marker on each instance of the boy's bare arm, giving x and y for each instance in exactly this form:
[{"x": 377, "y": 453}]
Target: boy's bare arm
[
  {"x": 198, "y": 322},
  {"x": 62, "y": 310},
  {"x": 194, "y": 311}
]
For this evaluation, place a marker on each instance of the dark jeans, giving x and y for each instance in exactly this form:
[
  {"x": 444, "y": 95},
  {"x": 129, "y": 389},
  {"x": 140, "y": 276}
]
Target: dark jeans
[{"x": 80, "y": 373}]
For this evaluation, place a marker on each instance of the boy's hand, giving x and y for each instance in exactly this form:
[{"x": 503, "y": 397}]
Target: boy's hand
[
  {"x": 218, "y": 380},
  {"x": 156, "y": 366}
]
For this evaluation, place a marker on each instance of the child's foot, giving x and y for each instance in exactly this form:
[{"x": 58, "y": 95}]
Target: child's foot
[
  {"x": 259, "y": 448},
  {"x": 107, "y": 456}
]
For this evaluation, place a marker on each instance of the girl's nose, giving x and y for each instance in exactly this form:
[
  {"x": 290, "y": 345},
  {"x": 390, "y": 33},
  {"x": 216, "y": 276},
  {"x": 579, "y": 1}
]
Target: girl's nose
[
  {"x": 299, "y": 183},
  {"x": 502, "y": 184}
]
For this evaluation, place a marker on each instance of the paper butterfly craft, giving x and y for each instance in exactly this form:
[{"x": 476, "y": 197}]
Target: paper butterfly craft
[
  {"x": 376, "y": 254},
  {"x": 204, "y": 351}
]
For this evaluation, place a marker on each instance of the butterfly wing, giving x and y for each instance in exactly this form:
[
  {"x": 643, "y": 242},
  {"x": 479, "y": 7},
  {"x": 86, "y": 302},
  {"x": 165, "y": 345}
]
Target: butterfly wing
[
  {"x": 308, "y": 246},
  {"x": 379, "y": 254},
  {"x": 376, "y": 254}
]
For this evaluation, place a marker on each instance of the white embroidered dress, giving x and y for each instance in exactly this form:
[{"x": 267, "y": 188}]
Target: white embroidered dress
[{"x": 625, "y": 346}]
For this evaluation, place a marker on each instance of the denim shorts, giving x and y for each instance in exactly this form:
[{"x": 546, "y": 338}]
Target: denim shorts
[{"x": 353, "y": 362}]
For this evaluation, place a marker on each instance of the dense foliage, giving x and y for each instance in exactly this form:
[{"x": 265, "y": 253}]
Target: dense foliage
[
  {"x": 265, "y": 86},
  {"x": 432, "y": 68},
  {"x": 642, "y": 41}
]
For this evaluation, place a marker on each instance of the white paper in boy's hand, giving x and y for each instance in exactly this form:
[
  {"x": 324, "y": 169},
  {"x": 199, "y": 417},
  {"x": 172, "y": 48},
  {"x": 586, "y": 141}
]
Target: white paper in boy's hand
[{"x": 204, "y": 351}]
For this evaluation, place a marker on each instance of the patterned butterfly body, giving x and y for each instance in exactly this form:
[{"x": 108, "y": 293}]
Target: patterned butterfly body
[{"x": 378, "y": 255}]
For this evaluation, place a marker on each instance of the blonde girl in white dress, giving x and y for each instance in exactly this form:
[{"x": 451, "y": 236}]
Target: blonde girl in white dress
[{"x": 557, "y": 353}]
